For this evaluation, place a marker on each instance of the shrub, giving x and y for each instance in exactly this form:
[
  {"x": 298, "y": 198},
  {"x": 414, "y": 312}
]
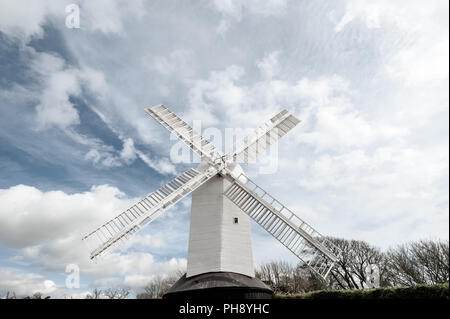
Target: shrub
[{"x": 440, "y": 291}]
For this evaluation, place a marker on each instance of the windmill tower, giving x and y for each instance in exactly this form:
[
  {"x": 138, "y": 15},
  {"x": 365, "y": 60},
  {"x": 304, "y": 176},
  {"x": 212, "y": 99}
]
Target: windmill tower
[{"x": 224, "y": 199}]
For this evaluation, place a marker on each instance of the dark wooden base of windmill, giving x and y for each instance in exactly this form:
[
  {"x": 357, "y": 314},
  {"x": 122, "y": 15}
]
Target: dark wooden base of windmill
[{"x": 218, "y": 285}]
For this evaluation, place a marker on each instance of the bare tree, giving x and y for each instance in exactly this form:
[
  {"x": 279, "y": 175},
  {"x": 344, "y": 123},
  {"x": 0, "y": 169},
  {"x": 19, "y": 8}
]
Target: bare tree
[
  {"x": 283, "y": 277},
  {"x": 157, "y": 287},
  {"x": 10, "y": 295},
  {"x": 111, "y": 293},
  {"x": 118, "y": 293},
  {"x": 422, "y": 262},
  {"x": 350, "y": 271},
  {"x": 37, "y": 295},
  {"x": 271, "y": 273},
  {"x": 96, "y": 294}
]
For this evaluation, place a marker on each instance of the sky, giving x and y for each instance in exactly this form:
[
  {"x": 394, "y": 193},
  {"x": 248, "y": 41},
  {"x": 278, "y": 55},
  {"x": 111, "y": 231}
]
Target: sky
[{"x": 369, "y": 161}]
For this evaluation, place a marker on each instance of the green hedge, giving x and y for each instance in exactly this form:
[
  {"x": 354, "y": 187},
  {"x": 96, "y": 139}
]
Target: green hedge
[{"x": 418, "y": 292}]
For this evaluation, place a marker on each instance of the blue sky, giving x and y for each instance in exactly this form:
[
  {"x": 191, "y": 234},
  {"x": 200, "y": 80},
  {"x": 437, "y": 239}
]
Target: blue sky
[{"x": 369, "y": 80}]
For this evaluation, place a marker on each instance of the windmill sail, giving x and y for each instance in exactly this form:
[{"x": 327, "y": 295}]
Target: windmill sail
[
  {"x": 266, "y": 135},
  {"x": 295, "y": 234},
  {"x": 183, "y": 131},
  {"x": 129, "y": 222}
]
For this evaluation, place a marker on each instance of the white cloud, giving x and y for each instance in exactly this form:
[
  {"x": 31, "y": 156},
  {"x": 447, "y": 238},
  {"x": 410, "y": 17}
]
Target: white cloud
[
  {"x": 178, "y": 61},
  {"x": 148, "y": 240},
  {"x": 369, "y": 12},
  {"x": 46, "y": 228},
  {"x": 93, "y": 155},
  {"x": 107, "y": 156},
  {"x": 54, "y": 108},
  {"x": 103, "y": 158},
  {"x": 269, "y": 65},
  {"x": 135, "y": 271},
  {"x": 16, "y": 21},
  {"x": 425, "y": 57},
  {"x": 234, "y": 10},
  {"x": 60, "y": 82},
  {"x": 162, "y": 165},
  {"x": 330, "y": 120},
  {"x": 219, "y": 93},
  {"x": 128, "y": 153},
  {"x": 411, "y": 14},
  {"x": 25, "y": 284},
  {"x": 398, "y": 189},
  {"x": 223, "y": 96},
  {"x": 223, "y": 27},
  {"x": 340, "y": 128},
  {"x": 30, "y": 216},
  {"x": 425, "y": 62},
  {"x": 109, "y": 17},
  {"x": 94, "y": 80},
  {"x": 403, "y": 168}
]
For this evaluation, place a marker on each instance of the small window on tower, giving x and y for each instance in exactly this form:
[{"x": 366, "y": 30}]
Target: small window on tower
[{"x": 236, "y": 220}]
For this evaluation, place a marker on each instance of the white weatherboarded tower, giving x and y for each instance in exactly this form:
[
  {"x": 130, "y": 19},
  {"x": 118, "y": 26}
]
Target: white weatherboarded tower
[
  {"x": 220, "y": 258},
  {"x": 219, "y": 237}
]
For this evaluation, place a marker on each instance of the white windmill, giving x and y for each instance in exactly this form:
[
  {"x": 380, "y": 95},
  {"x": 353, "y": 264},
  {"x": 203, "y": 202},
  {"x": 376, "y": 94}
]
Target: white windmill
[{"x": 223, "y": 200}]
